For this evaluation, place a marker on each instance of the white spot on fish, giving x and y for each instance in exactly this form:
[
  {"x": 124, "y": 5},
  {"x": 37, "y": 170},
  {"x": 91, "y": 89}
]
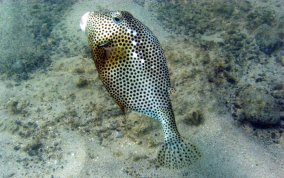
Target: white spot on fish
[
  {"x": 134, "y": 55},
  {"x": 134, "y": 43},
  {"x": 134, "y": 33},
  {"x": 128, "y": 30},
  {"x": 142, "y": 61}
]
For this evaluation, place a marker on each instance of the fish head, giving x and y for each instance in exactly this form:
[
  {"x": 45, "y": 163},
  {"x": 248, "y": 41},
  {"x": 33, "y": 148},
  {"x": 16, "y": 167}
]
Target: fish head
[
  {"x": 109, "y": 29},
  {"x": 112, "y": 36}
]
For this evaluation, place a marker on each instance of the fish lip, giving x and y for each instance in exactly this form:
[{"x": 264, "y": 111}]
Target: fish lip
[
  {"x": 83, "y": 21},
  {"x": 105, "y": 43}
]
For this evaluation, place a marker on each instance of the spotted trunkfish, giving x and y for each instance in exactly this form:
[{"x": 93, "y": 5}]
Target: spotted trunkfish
[{"x": 133, "y": 68}]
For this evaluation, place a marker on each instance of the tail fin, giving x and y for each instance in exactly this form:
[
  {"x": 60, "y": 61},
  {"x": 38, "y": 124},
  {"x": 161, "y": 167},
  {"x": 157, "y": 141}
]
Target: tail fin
[{"x": 176, "y": 153}]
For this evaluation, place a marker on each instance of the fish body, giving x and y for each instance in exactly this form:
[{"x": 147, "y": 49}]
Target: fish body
[{"x": 133, "y": 68}]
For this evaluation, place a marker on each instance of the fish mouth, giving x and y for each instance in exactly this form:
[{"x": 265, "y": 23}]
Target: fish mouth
[
  {"x": 83, "y": 21},
  {"x": 105, "y": 44}
]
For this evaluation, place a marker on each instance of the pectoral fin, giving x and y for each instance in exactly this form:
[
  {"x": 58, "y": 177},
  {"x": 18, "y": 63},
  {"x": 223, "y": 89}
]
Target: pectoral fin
[{"x": 106, "y": 47}]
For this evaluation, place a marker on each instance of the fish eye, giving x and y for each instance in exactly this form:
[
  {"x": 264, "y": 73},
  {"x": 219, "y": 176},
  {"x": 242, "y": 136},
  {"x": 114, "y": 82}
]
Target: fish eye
[{"x": 117, "y": 19}]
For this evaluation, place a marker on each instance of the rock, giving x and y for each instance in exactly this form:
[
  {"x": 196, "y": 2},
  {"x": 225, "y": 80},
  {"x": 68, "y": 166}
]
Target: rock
[
  {"x": 282, "y": 116},
  {"x": 225, "y": 8},
  {"x": 268, "y": 39},
  {"x": 17, "y": 107},
  {"x": 282, "y": 124},
  {"x": 82, "y": 82},
  {"x": 193, "y": 118},
  {"x": 261, "y": 15},
  {"x": 282, "y": 60},
  {"x": 244, "y": 5},
  {"x": 257, "y": 107},
  {"x": 268, "y": 135}
]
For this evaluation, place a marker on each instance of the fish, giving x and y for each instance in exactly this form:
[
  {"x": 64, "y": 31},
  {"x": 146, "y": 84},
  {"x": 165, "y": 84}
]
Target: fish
[{"x": 133, "y": 68}]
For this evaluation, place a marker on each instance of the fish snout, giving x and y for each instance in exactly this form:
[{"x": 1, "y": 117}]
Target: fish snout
[{"x": 84, "y": 20}]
